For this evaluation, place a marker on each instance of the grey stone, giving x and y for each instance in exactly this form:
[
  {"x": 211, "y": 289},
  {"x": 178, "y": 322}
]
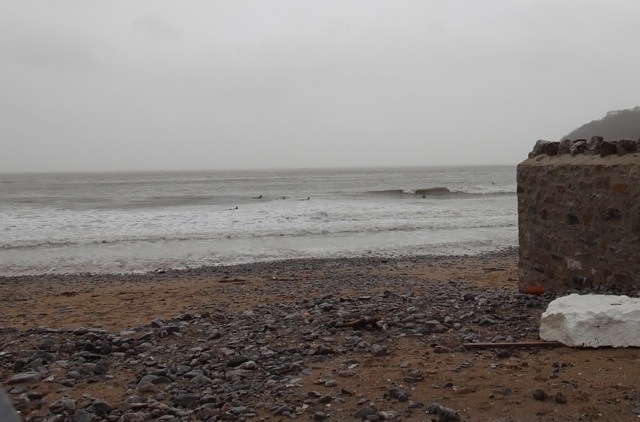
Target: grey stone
[
  {"x": 237, "y": 361},
  {"x": 397, "y": 393},
  {"x": 578, "y": 147},
  {"x": 283, "y": 410},
  {"x": 185, "y": 400},
  {"x": 594, "y": 144},
  {"x": 565, "y": 146},
  {"x": 560, "y": 398},
  {"x": 539, "y": 394},
  {"x": 378, "y": 350},
  {"x": 102, "y": 406},
  {"x": 363, "y": 413},
  {"x": 64, "y": 404},
  {"x": 538, "y": 148},
  {"x": 147, "y": 379},
  {"x": 24, "y": 377},
  {"x": 81, "y": 415},
  {"x": 324, "y": 349},
  {"x": 608, "y": 148}
]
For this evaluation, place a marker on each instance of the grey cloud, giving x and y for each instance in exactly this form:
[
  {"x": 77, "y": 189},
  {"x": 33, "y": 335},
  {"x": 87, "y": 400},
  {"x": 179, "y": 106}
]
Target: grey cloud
[{"x": 228, "y": 84}]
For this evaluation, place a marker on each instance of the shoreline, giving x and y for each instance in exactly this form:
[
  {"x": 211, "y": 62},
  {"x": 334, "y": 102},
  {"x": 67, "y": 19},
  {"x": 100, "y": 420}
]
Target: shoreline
[
  {"x": 287, "y": 262},
  {"x": 89, "y": 299}
]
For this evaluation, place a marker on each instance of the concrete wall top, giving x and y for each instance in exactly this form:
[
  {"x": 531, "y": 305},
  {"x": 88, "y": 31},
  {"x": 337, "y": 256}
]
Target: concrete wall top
[{"x": 582, "y": 160}]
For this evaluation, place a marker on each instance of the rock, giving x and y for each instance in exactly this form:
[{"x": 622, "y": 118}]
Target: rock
[
  {"x": 434, "y": 326},
  {"x": 539, "y": 395},
  {"x": 538, "y": 148},
  {"x": 238, "y": 410},
  {"x": 365, "y": 412},
  {"x": 325, "y": 399},
  {"x": 552, "y": 148},
  {"x": 578, "y": 147},
  {"x": 487, "y": 320},
  {"x": 147, "y": 379},
  {"x": 185, "y": 400},
  {"x": 445, "y": 414},
  {"x": 592, "y": 321},
  {"x": 81, "y": 415},
  {"x": 283, "y": 410},
  {"x": 64, "y": 404},
  {"x": 237, "y": 361},
  {"x": 441, "y": 349},
  {"x": 346, "y": 373},
  {"x": 23, "y": 377},
  {"x": 102, "y": 406},
  {"x": 387, "y": 415},
  {"x": 248, "y": 365},
  {"x": 560, "y": 398},
  {"x": 565, "y": 146},
  {"x": 628, "y": 145},
  {"x": 133, "y": 417},
  {"x": 397, "y": 393},
  {"x": 608, "y": 148},
  {"x": 378, "y": 350},
  {"x": 80, "y": 331},
  {"x": 324, "y": 349},
  {"x": 594, "y": 144}
]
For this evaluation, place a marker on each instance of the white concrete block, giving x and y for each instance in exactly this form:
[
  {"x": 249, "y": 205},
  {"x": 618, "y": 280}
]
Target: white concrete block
[{"x": 592, "y": 321}]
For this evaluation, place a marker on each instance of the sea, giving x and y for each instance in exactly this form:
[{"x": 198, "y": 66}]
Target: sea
[{"x": 129, "y": 222}]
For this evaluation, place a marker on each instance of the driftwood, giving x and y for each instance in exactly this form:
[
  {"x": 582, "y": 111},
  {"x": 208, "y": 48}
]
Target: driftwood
[{"x": 522, "y": 344}]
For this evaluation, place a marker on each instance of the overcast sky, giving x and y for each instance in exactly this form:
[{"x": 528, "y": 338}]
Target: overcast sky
[{"x": 163, "y": 85}]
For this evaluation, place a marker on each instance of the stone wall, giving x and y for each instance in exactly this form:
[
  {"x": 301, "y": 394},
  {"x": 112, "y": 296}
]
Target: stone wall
[{"x": 579, "y": 216}]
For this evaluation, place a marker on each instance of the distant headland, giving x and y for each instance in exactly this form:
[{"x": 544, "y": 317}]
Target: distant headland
[{"x": 617, "y": 124}]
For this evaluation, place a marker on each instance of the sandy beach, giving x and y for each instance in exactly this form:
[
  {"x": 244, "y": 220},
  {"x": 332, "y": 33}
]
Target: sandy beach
[{"x": 335, "y": 339}]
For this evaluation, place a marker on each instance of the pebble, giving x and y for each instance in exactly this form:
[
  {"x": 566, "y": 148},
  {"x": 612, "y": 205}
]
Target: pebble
[
  {"x": 397, "y": 393},
  {"x": 540, "y": 395},
  {"x": 560, "y": 398},
  {"x": 24, "y": 377}
]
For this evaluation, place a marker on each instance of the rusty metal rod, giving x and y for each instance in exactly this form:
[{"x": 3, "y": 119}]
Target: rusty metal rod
[{"x": 507, "y": 345}]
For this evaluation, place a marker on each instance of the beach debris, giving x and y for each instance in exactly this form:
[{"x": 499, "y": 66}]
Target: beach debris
[
  {"x": 592, "y": 321},
  {"x": 534, "y": 290}
]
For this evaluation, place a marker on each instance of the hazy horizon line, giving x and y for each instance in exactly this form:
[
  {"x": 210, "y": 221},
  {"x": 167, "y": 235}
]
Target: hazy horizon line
[{"x": 256, "y": 169}]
